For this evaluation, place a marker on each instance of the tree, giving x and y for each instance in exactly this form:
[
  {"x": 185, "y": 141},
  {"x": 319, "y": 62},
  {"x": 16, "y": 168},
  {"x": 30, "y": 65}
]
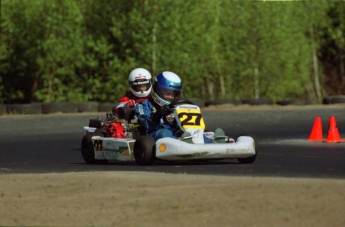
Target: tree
[
  {"x": 80, "y": 50},
  {"x": 59, "y": 51},
  {"x": 332, "y": 50},
  {"x": 18, "y": 50}
]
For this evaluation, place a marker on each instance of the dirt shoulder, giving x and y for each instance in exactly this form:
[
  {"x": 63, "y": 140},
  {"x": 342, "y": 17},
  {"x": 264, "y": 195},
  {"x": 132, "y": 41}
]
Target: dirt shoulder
[{"x": 158, "y": 199}]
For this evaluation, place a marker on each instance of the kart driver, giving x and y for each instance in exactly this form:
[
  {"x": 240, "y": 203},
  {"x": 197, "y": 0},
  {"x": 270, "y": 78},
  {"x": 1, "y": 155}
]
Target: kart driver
[
  {"x": 140, "y": 85},
  {"x": 167, "y": 87}
]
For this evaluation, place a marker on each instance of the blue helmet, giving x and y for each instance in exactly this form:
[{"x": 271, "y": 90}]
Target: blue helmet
[{"x": 167, "y": 87}]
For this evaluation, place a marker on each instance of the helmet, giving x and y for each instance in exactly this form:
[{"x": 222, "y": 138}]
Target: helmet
[
  {"x": 167, "y": 87},
  {"x": 140, "y": 82}
]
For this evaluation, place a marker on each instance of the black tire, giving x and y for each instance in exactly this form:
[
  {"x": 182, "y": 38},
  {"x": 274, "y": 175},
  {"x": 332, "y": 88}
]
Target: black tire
[
  {"x": 144, "y": 150},
  {"x": 199, "y": 102},
  {"x": 251, "y": 159},
  {"x": 3, "y": 109},
  {"x": 327, "y": 100},
  {"x": 126, "y": 113},
  {"x": 333, "y": 99},
  {"x": 257, "y": 101},
  {"x": 87, "y": 150},
  {"x": 33, "y": 108},
  {"x": 59, "y": 107},
  {"x": 338, "y": 99},
  {"x": 88, "y": 107},
  {"x": 294, "y": 102},
  {"x": 223, "y": 102},
  {"x": 95, "y": 123},
  {"x": 105, "y": 107},
  {"x": 180, "y": 102}
]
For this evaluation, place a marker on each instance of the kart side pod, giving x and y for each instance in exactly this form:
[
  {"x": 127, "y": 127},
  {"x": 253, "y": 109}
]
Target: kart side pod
[{"x": 173, "y": 149}]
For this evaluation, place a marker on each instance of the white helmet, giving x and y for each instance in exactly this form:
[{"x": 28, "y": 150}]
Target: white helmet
[
  {"x": 139, "y": 78},
  {"x": 167, "y": 88}
]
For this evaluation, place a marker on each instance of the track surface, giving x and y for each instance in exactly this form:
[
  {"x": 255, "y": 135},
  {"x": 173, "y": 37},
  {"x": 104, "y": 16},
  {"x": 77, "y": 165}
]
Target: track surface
[{"x": 51, "y": 143}]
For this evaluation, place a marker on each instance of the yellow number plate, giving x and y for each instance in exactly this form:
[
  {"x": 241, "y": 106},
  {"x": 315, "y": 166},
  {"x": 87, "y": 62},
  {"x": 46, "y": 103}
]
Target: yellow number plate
[{"x": 190, "y": 118}]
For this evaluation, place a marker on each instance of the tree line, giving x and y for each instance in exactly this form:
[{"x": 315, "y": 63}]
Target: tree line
[{"x": 83, "y": 50}]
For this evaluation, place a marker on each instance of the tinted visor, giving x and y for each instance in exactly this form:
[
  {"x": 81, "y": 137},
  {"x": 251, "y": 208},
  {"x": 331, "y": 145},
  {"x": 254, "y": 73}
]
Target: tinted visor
[
  {"x": 169, "y": 94},
  {"x": 141, "y": 85}
]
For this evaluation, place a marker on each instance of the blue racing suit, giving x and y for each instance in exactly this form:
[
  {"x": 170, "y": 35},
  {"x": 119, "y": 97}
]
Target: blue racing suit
[{"x": 154, "y": 123}]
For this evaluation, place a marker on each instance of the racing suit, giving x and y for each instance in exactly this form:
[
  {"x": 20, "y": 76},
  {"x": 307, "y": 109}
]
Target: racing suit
[
  {"x": 126, "y": 102},
  {"x": 123, "y": 110},
  {"x": 155, "y": 125}
]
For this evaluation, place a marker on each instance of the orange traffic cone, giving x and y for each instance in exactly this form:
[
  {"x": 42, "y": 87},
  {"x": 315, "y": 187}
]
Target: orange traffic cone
[
  {"x": 333, "y": 133},
  {"x": 316, "y": 133}
]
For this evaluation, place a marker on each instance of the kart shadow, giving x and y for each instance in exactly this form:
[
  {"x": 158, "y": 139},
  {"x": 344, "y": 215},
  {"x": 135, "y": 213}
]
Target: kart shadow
[
  {"x": 179, "y": 163},
  {"x": 196, "y": 162},
  {"x": 158, "y": 163}
]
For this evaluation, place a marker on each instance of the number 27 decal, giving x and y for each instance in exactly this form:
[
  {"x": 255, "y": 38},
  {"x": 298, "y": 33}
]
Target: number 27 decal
[{"x": 189, "y": 120}]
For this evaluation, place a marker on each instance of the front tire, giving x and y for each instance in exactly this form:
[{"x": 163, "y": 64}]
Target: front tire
[
  {"x": 144, "y": 150},
  {"x": 87, "y": 149},
  {"x": 251, "y": 159}
]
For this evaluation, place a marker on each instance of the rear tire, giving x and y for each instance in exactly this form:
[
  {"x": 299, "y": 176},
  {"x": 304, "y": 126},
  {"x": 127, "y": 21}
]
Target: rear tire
[
  {"x": 87, "y": 149},
  {"x": 144, "y": 150}
]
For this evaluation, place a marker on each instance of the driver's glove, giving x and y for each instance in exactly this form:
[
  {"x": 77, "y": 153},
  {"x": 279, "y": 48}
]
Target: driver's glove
[
  {"x": 130, "y": 103},
  {"x": 156, "y": 116},
  {"x": 165, "y": 110}
]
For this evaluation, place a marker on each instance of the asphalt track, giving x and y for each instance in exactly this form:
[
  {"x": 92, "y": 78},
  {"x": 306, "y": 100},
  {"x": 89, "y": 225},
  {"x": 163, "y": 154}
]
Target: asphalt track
[{"x": 51, "y": 143}]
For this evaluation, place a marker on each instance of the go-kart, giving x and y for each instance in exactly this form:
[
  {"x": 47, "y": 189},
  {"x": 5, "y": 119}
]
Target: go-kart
[{"x": 143, "y": 149}]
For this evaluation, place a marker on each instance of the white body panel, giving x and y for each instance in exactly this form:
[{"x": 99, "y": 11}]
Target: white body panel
[
  {"x": 196, "y": 125},
  {"x": 113, "y": 148},
  {"x": 179, "y": 150},
  {"x": 89, "y": 129}
]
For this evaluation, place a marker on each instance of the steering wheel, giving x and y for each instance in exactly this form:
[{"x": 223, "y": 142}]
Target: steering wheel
[
  {"x": 180, "y": 102},
  {"x": 167, "y": 109}
]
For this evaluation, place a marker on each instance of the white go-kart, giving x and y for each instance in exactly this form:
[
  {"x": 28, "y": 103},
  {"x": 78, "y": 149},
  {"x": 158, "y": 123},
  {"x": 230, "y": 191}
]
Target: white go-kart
[{"x": 145, "y": 150}]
